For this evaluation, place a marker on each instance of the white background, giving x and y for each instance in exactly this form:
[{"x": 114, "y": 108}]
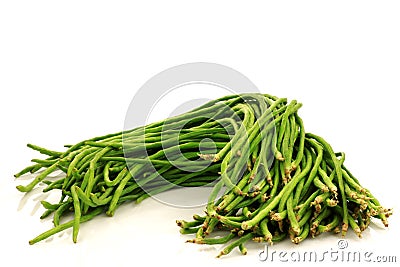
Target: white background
[{"x": 68, "y": 70}]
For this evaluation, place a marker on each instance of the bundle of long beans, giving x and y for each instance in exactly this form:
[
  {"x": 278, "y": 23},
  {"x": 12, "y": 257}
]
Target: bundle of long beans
[{"x": 276, "y": 179}]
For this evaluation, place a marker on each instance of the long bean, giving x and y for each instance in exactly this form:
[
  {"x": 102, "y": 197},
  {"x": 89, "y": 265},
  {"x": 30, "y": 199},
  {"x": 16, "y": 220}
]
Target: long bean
[{"x": 279, "y": 180}]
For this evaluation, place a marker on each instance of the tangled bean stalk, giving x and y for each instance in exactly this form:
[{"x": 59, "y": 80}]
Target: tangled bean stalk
[{"x": 277, "y": 180}]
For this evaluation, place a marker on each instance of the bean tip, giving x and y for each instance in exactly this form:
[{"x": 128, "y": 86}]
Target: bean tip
[
  {"x": 345, "y": 227},
  {"x": 245, "y": 225},
  {"x": 222, "y": 253},
  {"x": 22, "y": 188},
  {"x": 110, "y": 213}
]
